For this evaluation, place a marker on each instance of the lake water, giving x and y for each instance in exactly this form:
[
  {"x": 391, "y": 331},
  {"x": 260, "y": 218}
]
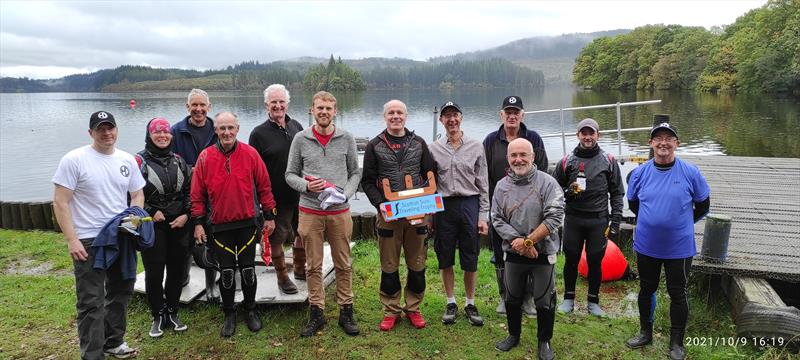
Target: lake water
[{"x": 37, "y": 129}]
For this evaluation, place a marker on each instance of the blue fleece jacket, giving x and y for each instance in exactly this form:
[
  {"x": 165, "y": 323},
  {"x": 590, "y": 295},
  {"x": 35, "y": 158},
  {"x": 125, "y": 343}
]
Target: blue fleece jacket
[{"x": 108, "y": 248}]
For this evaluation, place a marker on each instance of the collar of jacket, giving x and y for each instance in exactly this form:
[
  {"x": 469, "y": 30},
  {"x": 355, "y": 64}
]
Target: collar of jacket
[
  {"x": 222, "y": 150},
  {"x": 183, "y": 125},
  {"x": 523, "y": 179},
  {"x": 587, "y": 153},
  {"x": 310, "y": 133},
  {"x": 275, "y": 124},
  {"x": 501, "y": 133}
]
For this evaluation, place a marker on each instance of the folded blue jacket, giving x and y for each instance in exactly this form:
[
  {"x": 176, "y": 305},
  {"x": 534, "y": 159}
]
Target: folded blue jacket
[{"x": 109, "y": 246}]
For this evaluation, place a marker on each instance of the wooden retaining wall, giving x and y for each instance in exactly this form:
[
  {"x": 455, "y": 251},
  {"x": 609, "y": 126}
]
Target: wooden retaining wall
[{"x": 16, "y": 215}]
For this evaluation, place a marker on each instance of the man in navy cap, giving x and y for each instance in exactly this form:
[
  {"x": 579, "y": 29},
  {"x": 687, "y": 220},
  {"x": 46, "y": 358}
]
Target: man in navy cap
[
  {"x": 92, "y": 184},
  {"x": 463, "y": 184},
  {"x": 496, "y": 145},
  {"x": 668, "y": 196}
]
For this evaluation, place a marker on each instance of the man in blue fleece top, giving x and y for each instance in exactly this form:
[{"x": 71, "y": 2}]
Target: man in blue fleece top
[{"x": 91, "y": 187}]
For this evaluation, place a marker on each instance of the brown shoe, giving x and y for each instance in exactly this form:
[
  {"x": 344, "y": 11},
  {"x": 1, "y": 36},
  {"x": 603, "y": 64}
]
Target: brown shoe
[
  {"x": 284, "y": 283},
  {"x": 299, "y": 259}
]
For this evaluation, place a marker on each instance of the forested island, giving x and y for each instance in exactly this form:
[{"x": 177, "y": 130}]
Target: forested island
[
  {"x": 760, "y": 52},
  {"x": 335, "y": 76}
]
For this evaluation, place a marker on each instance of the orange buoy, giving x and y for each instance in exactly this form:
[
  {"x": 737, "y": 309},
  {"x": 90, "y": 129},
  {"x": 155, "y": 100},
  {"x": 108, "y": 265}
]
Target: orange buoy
[
  {"x": 613, "y": 265},
  {"x": 133, "y": 104}
]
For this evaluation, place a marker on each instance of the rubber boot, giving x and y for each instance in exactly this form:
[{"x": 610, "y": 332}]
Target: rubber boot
[
  {"x": 545, "y": 351},
  {"x": 228, "y": 325},
  {"x": 501, "y": 288},
  {"x": 645, "y": 336},
  {"x": 252, "y": 319},
  {"x": 212, "y": 291},
  {"x": 299, "y": 259},
  {"x": 676, "y": 349},
  {"x": 284, "y": 283}
]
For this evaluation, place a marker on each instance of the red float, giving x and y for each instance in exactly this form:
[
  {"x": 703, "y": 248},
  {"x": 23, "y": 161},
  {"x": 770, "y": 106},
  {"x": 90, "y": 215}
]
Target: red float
[{"x": 613, "y": 265}]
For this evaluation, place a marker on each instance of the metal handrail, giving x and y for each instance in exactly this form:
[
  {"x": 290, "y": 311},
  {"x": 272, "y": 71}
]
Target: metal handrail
[{"x": 619, "y": 129}]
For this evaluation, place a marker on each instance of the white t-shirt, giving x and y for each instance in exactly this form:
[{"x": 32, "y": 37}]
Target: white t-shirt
[{"x": 100, "y": 185}]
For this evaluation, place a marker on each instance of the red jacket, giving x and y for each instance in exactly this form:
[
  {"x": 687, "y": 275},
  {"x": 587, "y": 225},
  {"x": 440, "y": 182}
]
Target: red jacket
[{"x": 228, "y": 182}]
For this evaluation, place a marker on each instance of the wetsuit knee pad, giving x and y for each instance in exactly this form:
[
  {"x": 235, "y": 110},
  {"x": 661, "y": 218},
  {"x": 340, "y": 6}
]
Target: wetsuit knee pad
[
  {"x": 248, "y": 276},
  {"x": 390, "y": 282},
  {"x": 227, "y": 278},
  {"x": 385, "y": 233},
  {"x": 416, "y": 281}
]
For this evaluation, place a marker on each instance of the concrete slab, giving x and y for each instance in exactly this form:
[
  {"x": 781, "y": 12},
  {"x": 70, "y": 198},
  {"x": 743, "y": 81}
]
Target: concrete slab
[
  {"x": 196, "y": 286},
  {"x": 267, "y": 291}
]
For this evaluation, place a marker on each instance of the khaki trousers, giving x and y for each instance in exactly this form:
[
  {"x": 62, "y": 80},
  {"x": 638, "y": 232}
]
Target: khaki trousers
[
  {"x": 337, "y": 230},
  {"x": 392, "y": 237}
]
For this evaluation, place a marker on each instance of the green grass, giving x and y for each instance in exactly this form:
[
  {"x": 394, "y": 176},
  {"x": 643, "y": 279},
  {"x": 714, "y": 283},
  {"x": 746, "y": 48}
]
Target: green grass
[{"x": 38, "y": 313}]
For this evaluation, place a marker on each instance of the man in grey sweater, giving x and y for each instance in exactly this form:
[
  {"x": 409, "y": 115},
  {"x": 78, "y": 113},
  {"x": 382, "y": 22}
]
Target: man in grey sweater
[
  {"x": 527, "y": 210},
  {"x": 323, "y": 168}
]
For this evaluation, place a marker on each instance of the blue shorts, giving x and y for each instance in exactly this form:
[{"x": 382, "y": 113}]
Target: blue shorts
[{"x": 457, "y": 227}]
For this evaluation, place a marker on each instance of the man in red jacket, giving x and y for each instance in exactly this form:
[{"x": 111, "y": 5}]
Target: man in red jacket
[{"x": 228, "y": 176}]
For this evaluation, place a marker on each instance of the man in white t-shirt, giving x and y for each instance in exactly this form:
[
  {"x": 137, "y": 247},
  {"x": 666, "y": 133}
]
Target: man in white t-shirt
[{"x": 91, "y": 187}]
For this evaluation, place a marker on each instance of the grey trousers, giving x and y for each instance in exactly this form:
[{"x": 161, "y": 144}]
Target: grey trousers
[{"x": 102, "y": 305}]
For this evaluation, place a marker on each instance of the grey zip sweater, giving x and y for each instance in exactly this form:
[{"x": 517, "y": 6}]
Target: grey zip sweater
[
  {"x": 336, "y": 162},
  {"x": 521, "y": 203}
]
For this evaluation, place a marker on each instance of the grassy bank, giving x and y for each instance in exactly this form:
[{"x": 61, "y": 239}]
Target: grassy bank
[{"x": 37, "y": 310}]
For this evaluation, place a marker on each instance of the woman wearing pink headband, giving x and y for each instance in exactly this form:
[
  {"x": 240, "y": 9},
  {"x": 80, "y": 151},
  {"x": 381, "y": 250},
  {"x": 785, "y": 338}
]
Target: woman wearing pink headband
[{"x": 167, "y": 201}]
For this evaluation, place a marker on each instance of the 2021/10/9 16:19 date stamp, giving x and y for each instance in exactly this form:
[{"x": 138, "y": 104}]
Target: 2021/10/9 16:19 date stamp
[{"x": 733, "y": 341}]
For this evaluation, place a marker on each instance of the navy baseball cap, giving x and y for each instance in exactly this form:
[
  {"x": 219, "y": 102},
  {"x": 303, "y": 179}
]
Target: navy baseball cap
[
  {"x": 101, "y": 117},
  {"x": 664, "y": 126},
  {"x": 512, "y": 101},
  {"x": 450, "y": 104}
]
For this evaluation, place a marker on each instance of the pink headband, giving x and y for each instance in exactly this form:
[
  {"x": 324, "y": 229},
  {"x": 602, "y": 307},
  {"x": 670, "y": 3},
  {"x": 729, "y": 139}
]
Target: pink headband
[{"x": 157, "y": 125}]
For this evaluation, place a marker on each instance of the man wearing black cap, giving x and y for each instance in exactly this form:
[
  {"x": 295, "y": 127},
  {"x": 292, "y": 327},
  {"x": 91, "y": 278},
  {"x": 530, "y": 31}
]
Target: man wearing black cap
[
  {"x": 92, "y": 184},
  {"x": 463, "y": 184},
  {"x": 495, "y": 145},
  {"x": 589, "y": 177},
  {"x": 668, "y": 196}
]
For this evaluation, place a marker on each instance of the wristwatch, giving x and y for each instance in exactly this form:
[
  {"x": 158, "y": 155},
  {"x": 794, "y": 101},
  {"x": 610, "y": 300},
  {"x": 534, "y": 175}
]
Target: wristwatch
[{"x": 527, "y": 242}]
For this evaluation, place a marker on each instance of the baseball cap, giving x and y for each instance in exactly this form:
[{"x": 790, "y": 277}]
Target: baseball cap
[
  {"x": 590, "y": 123},
  {"x": 512, "y": 101},
  {"x": 450, "y": 104},
  {"x": 664, "y": 126},
  {"x": 101, "y": 117}
]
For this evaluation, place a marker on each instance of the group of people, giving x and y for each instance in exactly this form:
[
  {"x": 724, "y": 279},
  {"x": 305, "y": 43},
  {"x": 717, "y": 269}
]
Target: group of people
[{"x": 205, "y": 188}]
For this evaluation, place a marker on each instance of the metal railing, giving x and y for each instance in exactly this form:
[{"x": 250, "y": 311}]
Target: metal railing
[{"x": 619, "y": 129}]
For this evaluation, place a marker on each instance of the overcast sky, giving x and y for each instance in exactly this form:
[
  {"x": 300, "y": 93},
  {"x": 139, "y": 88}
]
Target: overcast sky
[{"x": 48, "y": 39}]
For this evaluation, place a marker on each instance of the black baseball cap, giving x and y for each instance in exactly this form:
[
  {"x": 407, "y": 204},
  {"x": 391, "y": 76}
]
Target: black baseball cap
[
  {"x": 664, "y": 126},
  {"x": 450, "y": 104},
  {"x": 101, "y": 117},
  {"x": 512, "y": 101}
]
